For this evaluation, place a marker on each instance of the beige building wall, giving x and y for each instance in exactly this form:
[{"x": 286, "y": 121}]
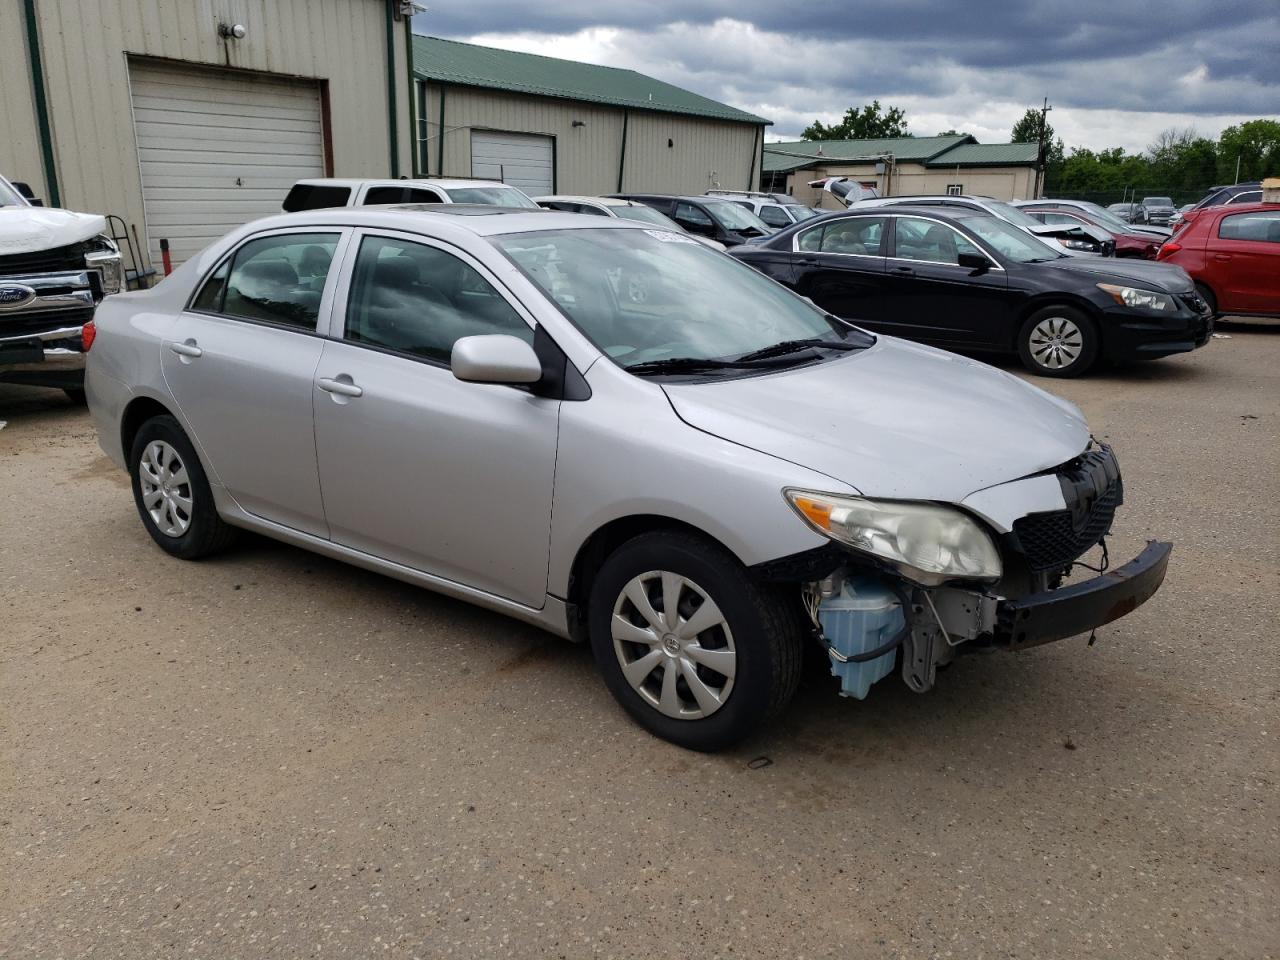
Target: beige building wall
[
  {"x": 86, "y": 48},
  {"x": 703, "y": 153},
  {"x": 1001, "y": 183}
]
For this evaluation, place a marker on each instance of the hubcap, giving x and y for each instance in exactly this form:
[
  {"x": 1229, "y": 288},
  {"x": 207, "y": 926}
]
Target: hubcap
[
  {"x": 674, "y": 645},
  {"x": 166, "y": 489},
  {"x": 1056, "y": 342}
]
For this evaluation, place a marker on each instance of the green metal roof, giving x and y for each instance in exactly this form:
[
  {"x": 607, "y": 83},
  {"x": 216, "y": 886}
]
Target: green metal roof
[
  {"x": 986, "y": 155},
  {"x": 466, "y": 64}
]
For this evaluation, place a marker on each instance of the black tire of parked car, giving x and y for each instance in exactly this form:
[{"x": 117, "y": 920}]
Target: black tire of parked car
[
  {"x": 767, "y": 629},
  {"x": 76, "y": 395},
  {"x": 1208, "y": 297},
  {"x": 208, "y": 533},
  {"x": 1090, "y": 347}
]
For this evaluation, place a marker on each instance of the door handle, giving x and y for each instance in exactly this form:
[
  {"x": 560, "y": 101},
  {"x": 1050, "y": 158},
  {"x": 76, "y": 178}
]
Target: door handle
[
  {"x": 187, "y": 348},
  {"x": 905, "y": 271},
  {"x": 1222, "y": 257},
  {"x": 809, "y": 260},
  {"x": 341, "y": 385}
]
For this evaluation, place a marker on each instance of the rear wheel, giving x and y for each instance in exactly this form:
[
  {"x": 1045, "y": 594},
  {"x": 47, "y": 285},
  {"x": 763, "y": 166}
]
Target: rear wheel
[
  {"x": 1058, "y": 341},
  {"x": 172, "y": 493},
  {"x": 688, "y": 644}
]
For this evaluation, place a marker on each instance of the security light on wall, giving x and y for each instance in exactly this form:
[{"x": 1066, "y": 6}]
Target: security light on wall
[
  {"x": 232, "y": 31},
  {"x": 579, "y": 123}
]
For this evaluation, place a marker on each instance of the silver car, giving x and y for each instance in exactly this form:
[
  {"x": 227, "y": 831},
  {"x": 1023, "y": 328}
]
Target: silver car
[{"x": 610, "y": 431}]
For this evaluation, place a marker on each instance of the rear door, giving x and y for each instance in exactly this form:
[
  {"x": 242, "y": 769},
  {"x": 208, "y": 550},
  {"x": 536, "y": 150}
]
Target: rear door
[
  {"x": 240, "y": 363},
  {"x": 840, "y": 266},
  {"x": 936, "y": 299},
  {"x": 1243, "y": 257}
]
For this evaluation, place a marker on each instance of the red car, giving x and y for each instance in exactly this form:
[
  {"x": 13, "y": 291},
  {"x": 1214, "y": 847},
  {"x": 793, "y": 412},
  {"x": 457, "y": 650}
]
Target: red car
[
  {"x": 1128, "y": 244},
  {"x": 1233, "y": 254}
]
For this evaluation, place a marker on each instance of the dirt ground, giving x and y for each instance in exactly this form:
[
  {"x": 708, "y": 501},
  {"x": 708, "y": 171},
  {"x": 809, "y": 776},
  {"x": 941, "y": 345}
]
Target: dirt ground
[{"x": 274, "y": 755}]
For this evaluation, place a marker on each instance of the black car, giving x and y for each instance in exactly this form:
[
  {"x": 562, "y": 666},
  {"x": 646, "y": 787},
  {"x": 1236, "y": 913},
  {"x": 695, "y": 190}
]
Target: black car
[
  {"x": 721, "y": 220},
  {"x": 972, "y": 282}
]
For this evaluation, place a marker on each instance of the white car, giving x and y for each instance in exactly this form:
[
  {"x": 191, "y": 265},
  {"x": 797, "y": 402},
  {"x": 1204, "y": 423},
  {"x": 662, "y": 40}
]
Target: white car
[
  {"x": 327, "y": 192},
  {"x": 617, "y": 207},
  {"x": 779, "y": 210}
]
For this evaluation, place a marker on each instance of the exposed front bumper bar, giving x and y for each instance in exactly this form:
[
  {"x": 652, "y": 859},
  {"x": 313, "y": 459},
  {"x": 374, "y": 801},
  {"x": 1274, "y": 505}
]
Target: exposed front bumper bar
[{"x": 1076, "y": 609}]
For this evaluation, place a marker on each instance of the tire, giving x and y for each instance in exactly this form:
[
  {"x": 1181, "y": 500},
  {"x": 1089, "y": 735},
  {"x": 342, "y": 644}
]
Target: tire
[
  {"x": 166, "y": 473},
  {"x": 75, "y": 395},
  {"x": 1209, "y": 298},
  {"x": 751, "y": 631},
  {"x": 1058, "y": 341}
]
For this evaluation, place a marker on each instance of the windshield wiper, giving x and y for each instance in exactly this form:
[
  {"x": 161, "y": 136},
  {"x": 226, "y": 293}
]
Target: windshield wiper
[
  {"x": 795, "y": 346},
  {"x": 698, "y": 364}
]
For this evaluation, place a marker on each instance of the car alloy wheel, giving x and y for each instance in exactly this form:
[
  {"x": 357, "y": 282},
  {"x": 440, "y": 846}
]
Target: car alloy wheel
[
  {"x": 674, "y": 645},
  {"x": 1056, "y": 342},
  {"x": 166, "y": 488}
]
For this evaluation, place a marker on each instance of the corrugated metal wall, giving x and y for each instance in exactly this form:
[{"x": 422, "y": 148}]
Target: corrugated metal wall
[
  {"x": 86, "y": 49},
  {"x": 704, "y": 153}
]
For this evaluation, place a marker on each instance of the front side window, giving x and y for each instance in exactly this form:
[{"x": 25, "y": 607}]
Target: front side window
[
  {"x": 415, "y": 299},
  {"x": 688, "y": 213},
  {"x": 277, "y": 279},
  {"x": 1009, "y": 241},
  {"x": 931, "y": 241},
  {"x": 1263, "y": 226},
  {"x": 651, "y": 295}
]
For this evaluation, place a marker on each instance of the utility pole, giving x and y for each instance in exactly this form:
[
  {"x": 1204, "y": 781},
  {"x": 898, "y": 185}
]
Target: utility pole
[{"x": 1042, "y": 141}]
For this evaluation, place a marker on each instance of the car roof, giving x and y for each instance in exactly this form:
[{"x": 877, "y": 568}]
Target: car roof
[
  {"x": 396, "y": 182},
  {"x": 1225, "y": 209},
  {"x": 480, "y": 219},
  {"x": 603, "y": 201}
]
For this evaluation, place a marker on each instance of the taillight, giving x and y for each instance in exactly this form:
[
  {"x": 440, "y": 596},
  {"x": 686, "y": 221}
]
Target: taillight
[{"x": 87, "y": 334}]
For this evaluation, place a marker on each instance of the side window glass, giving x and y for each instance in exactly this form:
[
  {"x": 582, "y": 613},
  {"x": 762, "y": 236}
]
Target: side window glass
[
  {"x": 1263, "y": 226},
  {"x": 416, "y": 299},
  {"x": 775, "y": 217},
  {"x": 859, "y": 235},
  {"x": 209, "y": 299},
  {"x": 927, "y": 240},
  {"x": 811, "y": 240},
  {"x": 376, "y": 196},
  {"x": 280, "y": 279},
  {"x": 688, "y": 213},
  {"x": 592, "y": 210},
  {"x": 419, "y": 195}
]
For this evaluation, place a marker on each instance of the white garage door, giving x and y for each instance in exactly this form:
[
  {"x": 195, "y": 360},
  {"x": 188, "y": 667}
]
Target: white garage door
[
  {"x": 217, "y": 150},
  {"x": 523, "y": 160}
]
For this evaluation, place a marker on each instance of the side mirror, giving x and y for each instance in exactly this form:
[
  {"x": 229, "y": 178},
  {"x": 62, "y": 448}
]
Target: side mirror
[
  {"x": 495, "y": 358},
  {"x": 24, "y": 190},
  {"x": 974, "y": 261}
]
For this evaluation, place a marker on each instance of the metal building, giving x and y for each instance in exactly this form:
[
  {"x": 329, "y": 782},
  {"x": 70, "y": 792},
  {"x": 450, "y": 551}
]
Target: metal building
[
  {"x": 185, "y": 118},
  {"x": 559, "y": 126}
]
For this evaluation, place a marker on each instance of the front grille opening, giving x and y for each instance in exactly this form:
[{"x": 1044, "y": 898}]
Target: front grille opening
[{"x": 1052, "y": 540}]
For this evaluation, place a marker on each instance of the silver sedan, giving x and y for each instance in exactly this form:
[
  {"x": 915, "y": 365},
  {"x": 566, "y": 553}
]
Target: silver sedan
[{"x": 610, "y": 431}]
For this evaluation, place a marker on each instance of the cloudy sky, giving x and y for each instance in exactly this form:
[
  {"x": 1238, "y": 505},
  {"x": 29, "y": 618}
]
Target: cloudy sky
[{"x": 1116, "y": 71}]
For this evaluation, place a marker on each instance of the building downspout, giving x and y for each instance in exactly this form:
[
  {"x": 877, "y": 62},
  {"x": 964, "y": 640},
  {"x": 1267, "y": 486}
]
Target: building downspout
[
  {"x": 440, "y": 145},
  {"x": 622, "y": 154},
  {"x": 414, "y": 107},
  {"x": 755, "y": 146},
  {"x": 42, "y": 105},
  {"x": 393, "y": 132}
]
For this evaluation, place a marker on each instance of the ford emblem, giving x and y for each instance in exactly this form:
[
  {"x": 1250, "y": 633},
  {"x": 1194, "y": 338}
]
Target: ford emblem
[{"x": 13, "y": 295}]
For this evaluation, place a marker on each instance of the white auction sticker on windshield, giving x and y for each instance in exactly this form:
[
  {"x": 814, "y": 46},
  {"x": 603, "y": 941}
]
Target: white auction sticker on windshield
[{"x": 666, "y": 236}]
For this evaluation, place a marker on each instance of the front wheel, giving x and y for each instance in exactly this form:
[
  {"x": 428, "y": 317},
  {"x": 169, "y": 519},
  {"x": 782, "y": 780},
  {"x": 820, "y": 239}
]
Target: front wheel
[
  {"x": 1058, "y": 341},
  {"x": 688, "y": 644},
  {"x": 1207, "y": 295},
  {"x": 172, "y": 493}
]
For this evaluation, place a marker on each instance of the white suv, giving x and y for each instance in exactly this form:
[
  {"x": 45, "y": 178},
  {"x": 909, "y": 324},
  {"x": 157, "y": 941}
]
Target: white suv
[
  {"x": 335, "y": 192},
  {"x": 778, "y": 210}
]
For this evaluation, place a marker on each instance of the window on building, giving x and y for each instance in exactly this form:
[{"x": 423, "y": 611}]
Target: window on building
[{"x": 955, "y": 189}]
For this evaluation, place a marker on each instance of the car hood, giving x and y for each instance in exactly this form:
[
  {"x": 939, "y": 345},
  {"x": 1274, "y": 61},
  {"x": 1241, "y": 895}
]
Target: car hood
[
  {"x": 1062, "y": 229},
  {"x": 1154, "y": 276},
  {"x": 898, "y": 420},
  {"x": 1161, "y": 232},
  {"x": 32, "y": 229}
]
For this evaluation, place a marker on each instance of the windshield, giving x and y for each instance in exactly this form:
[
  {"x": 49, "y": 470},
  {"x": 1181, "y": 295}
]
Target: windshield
[
  {"x": 9, "y": 196},
  {"x": 733, "y": 217},
  {"x": 799, "y": 212},
  {"x": 1157, "y": 201},
  {"x": 647, "y": 215},
  {"x": 651, "y": 295},
  {"x": 1006, "y": 211},
  {"x": 498, "y": 195},
  {"x": 1009, "y": 241}
]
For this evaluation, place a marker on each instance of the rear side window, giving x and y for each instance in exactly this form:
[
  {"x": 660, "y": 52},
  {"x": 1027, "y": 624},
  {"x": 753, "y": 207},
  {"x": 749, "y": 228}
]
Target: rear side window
[
  {"x": 1263, "y": 226},
  {"x": 860, "y": 235},
  {"x": 315, "y": 196},
  {"x": 1253, "y": 196},
  {"x": 277, "y": 279},
  {"x": 379, "y": 196}
]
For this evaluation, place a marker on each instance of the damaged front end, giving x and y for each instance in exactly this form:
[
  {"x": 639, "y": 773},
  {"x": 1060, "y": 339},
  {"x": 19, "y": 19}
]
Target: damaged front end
[{"x": 870, "y": 613}]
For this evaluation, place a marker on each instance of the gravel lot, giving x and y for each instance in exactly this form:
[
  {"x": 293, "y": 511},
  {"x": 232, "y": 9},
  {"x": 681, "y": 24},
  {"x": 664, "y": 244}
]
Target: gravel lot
[{"x": 275, "y": 755}]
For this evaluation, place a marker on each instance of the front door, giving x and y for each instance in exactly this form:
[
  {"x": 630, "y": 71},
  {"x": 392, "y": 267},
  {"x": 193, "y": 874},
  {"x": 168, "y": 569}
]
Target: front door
[
  {"x": 418, "y": 467},
  {"x": 936, "y": 299},
  {"x": 240, "y": 362}
]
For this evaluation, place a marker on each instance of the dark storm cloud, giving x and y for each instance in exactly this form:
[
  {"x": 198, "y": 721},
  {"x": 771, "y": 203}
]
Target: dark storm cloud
[{"x": 805, "y": 59}]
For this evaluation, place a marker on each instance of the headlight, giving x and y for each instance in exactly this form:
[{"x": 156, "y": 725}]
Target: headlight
[
  {"x": 1076, "y": 244},
  {"x": 928, "y": 543},
  {"x": 104, "y": 256},
  {"x": 1136, "y": 297}
]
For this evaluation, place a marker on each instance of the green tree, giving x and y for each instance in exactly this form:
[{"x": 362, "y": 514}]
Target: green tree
[
  {"x": 1255, "y": 144},
  {"x": 870, "y": 122},
  {"x": 1027, "y": 130},
  {"x": 949, "y": 133}
]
